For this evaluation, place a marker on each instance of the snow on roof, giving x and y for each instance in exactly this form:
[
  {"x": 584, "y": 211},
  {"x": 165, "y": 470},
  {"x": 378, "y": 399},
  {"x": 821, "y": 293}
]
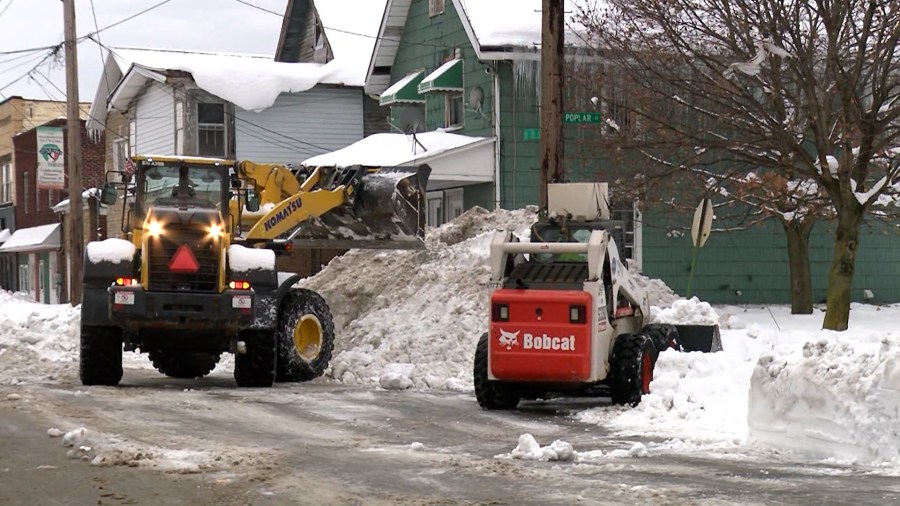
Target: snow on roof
[
  {"x": 4, "y": 235},
  {"x": 63, "y": 205},
  {"x": 243, "y": 259},
  {"x": 512, "y": 22},
  {"x": 32, "y": 238},
  {"x": 388, "y": 150},
  {"x": 352, "y": 37}
]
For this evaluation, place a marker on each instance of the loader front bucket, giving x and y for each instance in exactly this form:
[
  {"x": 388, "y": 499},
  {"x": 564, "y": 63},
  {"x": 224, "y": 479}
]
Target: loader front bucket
[{"x": 387, "y": 212}]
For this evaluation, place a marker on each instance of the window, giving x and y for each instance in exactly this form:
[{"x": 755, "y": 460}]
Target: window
[
  {"x": 119, "y": 154},
  {"x": 211, "y": 130},
  {"x": 320, "y": 36},
  {"x": 435, "y": 208},
  {"x": 6, "y": 194},
  {"x": 435, "y": 7},
  {"x": 26, "y": 186},
  {"x": 454, "y": 110},
  {"x": 24, "y": 278}
]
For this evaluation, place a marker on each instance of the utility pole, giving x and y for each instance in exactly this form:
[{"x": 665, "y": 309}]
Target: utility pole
[
  {"x": 552, "y": 47},
  {"x": 73, "y": 157}
]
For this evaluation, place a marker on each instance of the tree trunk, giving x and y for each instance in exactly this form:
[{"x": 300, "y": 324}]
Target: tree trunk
[
  {"x": 840, "y": 278},
  {"x": 798, "y": 255}
]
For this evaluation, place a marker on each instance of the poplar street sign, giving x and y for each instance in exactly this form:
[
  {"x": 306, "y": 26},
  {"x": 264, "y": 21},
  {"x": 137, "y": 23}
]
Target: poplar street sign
[{"x": 581, "y": 117}]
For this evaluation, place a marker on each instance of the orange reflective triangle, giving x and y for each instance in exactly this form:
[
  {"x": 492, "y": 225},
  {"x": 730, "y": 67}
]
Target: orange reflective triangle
[{"x": 184, "y": 261}]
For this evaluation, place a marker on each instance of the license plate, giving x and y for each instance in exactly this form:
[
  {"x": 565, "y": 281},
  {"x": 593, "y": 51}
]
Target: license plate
[
  {"x": 242, "y": 301},
  {"x": 124, "y": 298}
]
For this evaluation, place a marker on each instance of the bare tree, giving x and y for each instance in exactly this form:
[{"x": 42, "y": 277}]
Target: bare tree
[{"x": 795, "y": 104}]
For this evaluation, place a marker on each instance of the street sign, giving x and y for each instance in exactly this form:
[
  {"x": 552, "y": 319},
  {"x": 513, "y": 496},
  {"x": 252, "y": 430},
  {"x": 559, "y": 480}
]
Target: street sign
[
  {"x": 531, "y": 134},
  {"x": 581, "y": 117},
  {"x": 702, "y": 224}
]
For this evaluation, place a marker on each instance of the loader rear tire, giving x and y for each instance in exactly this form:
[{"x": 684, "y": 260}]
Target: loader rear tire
[
  {"x": 491, "y": 394},
  {"x": 632, "y": 363},
  {"x": 256, "y": 366},
  {"x": 184, "y": 365},
  {"x": 305, "y": 336},
  {"x": 100, "y": 360}
]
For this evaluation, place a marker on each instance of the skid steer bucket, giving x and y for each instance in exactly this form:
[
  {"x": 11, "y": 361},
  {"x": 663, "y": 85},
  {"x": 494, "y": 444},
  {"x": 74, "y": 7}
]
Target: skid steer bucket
[{"x": 385, "y": 209}]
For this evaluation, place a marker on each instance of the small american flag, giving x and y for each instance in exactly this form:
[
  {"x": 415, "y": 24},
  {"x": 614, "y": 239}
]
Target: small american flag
[{"x": 129, "y": 168}]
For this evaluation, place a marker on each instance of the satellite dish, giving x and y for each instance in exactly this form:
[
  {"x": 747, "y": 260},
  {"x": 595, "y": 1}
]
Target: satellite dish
[
  {"x": 476, "y": 100},
  {"x": 413, "y": 119}
]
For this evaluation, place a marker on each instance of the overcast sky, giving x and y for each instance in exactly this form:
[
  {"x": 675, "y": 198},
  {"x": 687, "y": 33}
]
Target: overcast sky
[{"x": 212, "y": 25}]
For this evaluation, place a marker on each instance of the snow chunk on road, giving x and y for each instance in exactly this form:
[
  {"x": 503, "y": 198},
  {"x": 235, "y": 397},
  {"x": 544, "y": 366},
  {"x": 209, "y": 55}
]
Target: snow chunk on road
[
  {"x": 245, "y": 259},
  {"x": 110, "y": 250},
  {"x": 529, "y": 449},
  {"x": 836, "y": 398}
]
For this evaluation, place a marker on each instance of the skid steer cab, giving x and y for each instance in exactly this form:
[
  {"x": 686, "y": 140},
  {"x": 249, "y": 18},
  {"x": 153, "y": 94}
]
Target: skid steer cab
[
  {"x": 188, "y": 286},
  {"x": 566, "y": 316}
]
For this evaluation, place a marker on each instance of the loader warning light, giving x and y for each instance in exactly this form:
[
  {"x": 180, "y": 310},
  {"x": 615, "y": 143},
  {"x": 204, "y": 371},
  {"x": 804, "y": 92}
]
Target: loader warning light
[
  {"x": 126, "y": 281},
  {"x": 183, "y": 261},
  {"x": 239, "y": 285}
]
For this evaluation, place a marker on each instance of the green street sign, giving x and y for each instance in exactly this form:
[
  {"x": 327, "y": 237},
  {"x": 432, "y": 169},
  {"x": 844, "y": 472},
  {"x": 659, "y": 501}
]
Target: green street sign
[
  {"x": 531, "y": 134},
  {"x": 581, "y": 117}
]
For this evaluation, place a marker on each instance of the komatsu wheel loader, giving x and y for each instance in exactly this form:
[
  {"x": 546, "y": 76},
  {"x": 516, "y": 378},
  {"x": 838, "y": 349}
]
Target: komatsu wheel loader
[
  {"x": 569, "y": 318},
  {"x": 192, "y": 284}
]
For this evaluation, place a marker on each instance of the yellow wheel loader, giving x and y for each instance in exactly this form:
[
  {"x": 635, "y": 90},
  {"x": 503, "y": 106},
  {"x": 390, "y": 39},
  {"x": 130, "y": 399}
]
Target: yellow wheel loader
[{"x": 198, "y": 276}]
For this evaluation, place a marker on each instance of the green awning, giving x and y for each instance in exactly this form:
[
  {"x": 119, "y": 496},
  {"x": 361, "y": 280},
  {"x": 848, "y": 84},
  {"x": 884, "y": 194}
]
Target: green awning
[
  {"x": 448, "y": 77},
  {"x": 404, "y": 91}
]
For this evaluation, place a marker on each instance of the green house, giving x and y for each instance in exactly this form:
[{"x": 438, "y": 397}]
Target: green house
[{"x": 471, "y": 68}]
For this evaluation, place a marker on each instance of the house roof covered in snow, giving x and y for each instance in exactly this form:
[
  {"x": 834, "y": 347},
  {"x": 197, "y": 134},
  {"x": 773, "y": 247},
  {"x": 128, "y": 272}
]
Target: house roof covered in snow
[
  {"x": 389, "y": 150},
  {"x": 40, "y": 238},
  {"x": 497, "y": 30}
]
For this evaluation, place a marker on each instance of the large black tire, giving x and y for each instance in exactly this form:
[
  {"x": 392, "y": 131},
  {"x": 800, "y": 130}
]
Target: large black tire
[
  {"x": 631, "y": 368},
  {"x": 184, "y": 365},
  {"x": 663, "y": 335},
  {"x": 100, "y": 355},
  {"x": 304, "y": 322},
  {"x": 256, "y": 366},
  {"x": 491, "y": 394}
]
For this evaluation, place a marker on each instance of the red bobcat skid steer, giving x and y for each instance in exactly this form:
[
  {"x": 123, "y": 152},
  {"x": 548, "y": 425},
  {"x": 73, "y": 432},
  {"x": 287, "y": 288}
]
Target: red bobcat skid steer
[{"x": 569, "y": 318}]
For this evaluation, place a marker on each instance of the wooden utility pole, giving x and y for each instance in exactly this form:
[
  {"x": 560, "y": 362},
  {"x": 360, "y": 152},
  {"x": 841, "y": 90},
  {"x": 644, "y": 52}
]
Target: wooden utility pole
[
  {"x": 552, "y": 47},
  {"x": 75, "y": 254}
]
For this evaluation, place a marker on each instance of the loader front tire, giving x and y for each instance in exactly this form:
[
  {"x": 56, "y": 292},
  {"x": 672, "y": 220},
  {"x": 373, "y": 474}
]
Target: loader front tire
[
  {"x": 184, "y": 365},
  {"x": 491, "y": 394},
  {"x": 632, "y": 363},
  {"x": 663, "y": 335},
  {"x": 305, "y": 336},
  {"x": 100, "y": 361},
  {"x": 255, "y": 367}
]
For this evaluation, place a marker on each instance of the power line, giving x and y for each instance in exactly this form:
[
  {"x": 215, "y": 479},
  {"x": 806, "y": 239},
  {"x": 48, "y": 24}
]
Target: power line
[
  {"x": 97, "y": 34},
  {"x": 119, "y": 22},
  {"x": 3, "y": 11}
]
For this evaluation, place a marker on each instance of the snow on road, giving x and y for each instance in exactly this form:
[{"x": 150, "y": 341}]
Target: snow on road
[{"x": 410, "y": 319}]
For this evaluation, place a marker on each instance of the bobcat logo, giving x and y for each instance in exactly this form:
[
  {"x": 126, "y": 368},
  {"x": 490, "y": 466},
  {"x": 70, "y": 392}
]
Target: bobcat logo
[{"x": 509, "y": 339}]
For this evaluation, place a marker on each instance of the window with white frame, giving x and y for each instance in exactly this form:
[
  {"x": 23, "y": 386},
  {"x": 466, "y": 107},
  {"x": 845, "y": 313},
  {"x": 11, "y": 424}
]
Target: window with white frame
[
  {"x": 435, "y": 7},
  {"x": 454, "y": 110},
  {"x": 6, "y": 194},
  {"x": 119, "y": 154},
  {"x": 24, "y": 278},
  {"x": 211, "y": 129}
]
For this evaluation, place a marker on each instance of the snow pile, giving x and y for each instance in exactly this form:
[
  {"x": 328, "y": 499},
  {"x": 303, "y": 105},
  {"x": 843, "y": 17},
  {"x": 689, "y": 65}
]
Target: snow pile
[
  {"x": 412, "y": 318},
  {"x": 110, "y": 250},
  {"x": 837, "y": 397},
  {"x": 245, "y": 259},
  {"x": 685, "y": 312},
  {"x": 37, "y": 341}
]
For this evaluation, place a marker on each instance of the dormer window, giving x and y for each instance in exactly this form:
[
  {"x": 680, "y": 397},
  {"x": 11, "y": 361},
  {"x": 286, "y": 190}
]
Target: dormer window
[{"x": 435, "y": 7}]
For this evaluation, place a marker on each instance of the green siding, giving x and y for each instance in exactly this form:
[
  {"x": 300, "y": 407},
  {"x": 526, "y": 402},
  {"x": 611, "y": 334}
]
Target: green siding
[{"x": 755, "y": 262}]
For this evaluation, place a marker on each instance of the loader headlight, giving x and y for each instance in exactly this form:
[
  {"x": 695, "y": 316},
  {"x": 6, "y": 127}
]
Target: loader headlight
[
  {"x": 154, "y": 228},
  {"x": 215, "y": 231}
]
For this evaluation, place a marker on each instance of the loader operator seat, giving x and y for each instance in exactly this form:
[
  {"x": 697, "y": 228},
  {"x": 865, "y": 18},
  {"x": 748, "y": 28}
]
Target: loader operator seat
[{"x": 184, "y": 189}]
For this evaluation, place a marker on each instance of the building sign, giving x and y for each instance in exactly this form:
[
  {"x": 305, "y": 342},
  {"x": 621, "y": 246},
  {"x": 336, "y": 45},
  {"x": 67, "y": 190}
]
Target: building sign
[
  {"x": 51, "y": 173},
  {"x": 531, "y": 134}
]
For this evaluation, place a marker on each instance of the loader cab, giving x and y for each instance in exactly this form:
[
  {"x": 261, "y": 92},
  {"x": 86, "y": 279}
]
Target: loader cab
[{"x": 181, "y": 183}]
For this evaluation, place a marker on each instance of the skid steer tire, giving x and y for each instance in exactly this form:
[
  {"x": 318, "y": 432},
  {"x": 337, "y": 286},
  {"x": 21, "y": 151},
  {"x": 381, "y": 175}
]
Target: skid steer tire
[
  {"x": 305, "y": 336},
  {"x": 256, "y": 366},
  {"x": 184, "y": 365},
  {"x": 491, "y": 394},
  {"x": 664, "y": 336},
  {"x": 633, "y": 360},
  {"x": 100, "y": 361}
]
